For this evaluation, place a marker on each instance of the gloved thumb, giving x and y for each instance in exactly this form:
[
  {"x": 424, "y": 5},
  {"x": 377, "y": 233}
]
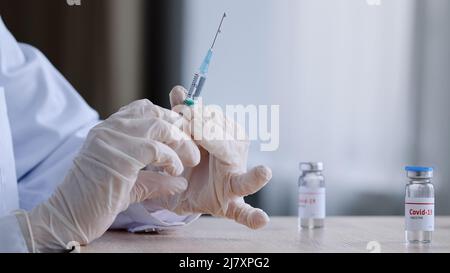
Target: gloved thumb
[
  {"x": 150, "y": 184},
  {"x": 177, "y": 95}
]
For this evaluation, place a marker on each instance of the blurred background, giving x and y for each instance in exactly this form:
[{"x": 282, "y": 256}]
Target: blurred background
[{"x": 362, "y": 85}]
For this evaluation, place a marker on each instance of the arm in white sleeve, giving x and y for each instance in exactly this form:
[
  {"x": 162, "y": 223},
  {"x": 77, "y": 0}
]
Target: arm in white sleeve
[
  {"x": 48, "y": 119},
  {"x": 50, "y": 134},
  {"x": 14, "y": 239}
]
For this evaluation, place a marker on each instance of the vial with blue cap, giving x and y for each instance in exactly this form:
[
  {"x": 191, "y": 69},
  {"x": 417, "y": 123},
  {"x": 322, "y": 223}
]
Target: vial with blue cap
[{"x": 419, "y": 205}]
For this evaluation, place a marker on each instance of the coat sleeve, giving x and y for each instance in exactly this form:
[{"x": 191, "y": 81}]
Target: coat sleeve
[
  {"x": 11, "y": 238},
  {"x": 48, "y": 118}
]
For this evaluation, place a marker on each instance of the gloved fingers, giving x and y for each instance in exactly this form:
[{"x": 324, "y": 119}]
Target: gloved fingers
[
  {"x": 247, "y": 215},
  {"x": 209, "y": 127},
  {"x": 206, "y": 114},
  {"x": 210, "y": 112},
  {"x": 138, "y": 109},
  {"x": 218, "y": 142},
  {"x": 150, "y": 184},
  {"x": 126, "y": 134},
  {"x": 181, "y": 143},
  {"x": 202, "y": 113},
  {"x": 177, "y": 97},
  {"x": 231, "y": 153},
  {"x": 163, "y": 156},
  {"x": 128, "y": 155},
  {"x": 250, "y": 182},
  {"x": 145, "y": 109},
  {"x": 221, "y": 137}
]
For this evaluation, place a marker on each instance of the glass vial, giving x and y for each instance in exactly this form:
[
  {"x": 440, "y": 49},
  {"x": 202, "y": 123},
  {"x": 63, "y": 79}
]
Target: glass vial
[
  {"x": 311, "y": 195},
  {"x": 419, "y": 205}
]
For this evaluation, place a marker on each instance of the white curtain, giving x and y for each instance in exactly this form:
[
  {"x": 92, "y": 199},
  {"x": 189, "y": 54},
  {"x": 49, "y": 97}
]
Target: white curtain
[
  {"x": 433, "y": 85},
  {"x": 345, "y": 74}
]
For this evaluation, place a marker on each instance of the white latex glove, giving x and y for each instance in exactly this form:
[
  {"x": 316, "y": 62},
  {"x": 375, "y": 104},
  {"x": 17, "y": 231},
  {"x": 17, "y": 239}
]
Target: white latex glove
[
  {"x": 219, "y": 182},
  {"x": 102, "y": 182}
]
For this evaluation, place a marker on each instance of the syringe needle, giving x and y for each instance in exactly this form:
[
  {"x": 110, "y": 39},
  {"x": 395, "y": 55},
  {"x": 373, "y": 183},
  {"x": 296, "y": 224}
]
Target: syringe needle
[
  {"x": 200, "y": 78},
  {"x": 218, "y": 30}
]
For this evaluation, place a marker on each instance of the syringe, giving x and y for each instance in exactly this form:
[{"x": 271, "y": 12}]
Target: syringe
[{"x": 200, "y": 77}]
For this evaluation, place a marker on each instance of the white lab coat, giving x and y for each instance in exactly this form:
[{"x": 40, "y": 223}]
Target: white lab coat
[{"x": 43, "y": 123}]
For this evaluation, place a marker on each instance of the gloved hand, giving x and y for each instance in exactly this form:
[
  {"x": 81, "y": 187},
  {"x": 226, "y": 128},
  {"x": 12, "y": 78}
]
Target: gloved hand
[
  {"x": 219, "y": 182},
  {"x": 107, "y": 175}
]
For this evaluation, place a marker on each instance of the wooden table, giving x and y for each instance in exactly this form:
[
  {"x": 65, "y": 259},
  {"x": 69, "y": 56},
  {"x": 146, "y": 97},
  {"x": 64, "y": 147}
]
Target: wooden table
[{"x": 341, "y": 234}]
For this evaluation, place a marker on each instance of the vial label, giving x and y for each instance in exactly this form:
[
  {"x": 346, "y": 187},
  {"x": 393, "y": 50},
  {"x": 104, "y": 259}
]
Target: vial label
[
  {"x": 311, "y": 203},
  {"x": 419, "y": 214}
]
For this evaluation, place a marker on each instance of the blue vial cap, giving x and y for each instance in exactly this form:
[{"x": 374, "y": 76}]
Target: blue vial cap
[
  {"x": 418, "y": 169},
  {"x": 418, "y": 172}
]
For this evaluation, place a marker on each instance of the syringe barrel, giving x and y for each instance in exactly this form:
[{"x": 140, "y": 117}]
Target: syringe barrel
[
  {"x": 200, "y": 84},
  {"x": 197, "y": 85},
  {"x": 200, "y": 78},
  {"x": 206, "y": 61},
  {"x": 193, "y": 87}
]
